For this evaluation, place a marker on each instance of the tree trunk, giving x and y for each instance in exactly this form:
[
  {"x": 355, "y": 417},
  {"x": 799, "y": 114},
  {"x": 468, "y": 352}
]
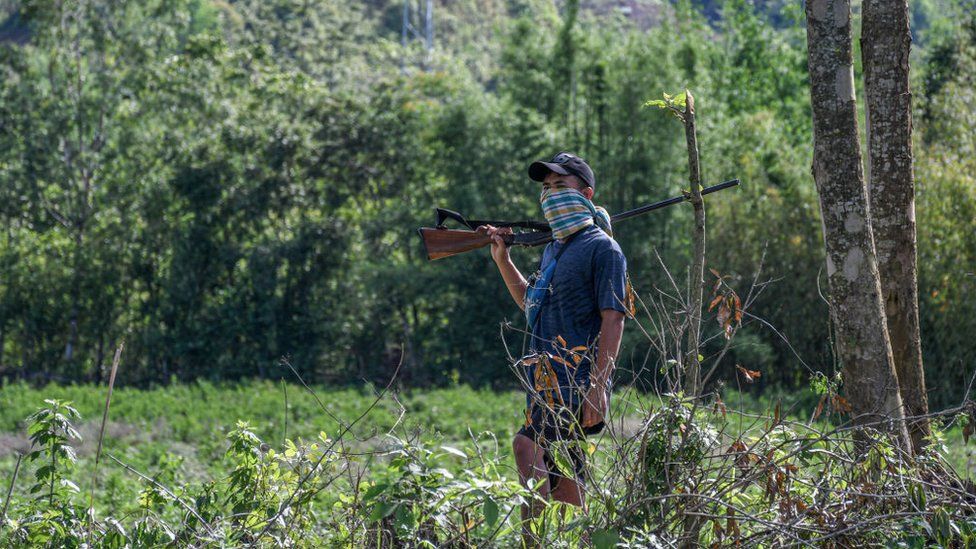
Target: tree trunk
[
  {"x": 870, "y": 382},
  {"x": 693, "y": 370},
  {"x": 885, "y": 45}
]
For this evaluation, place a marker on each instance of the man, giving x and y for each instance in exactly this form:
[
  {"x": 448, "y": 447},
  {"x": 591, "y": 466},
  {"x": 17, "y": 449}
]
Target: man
[{"x": 576, "y": 311}]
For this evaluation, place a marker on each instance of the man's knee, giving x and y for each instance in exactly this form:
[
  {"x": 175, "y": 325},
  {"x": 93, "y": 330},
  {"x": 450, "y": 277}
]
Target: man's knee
[{"x": 524, "y": 447}]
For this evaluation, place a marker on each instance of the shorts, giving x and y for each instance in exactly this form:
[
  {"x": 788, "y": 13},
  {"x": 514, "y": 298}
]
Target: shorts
[{"x": 545, "y": 424}]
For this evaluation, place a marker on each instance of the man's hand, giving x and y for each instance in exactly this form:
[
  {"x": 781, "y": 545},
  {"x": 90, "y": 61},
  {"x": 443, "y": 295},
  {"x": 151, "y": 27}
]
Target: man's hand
[
  {"x": 514, "y": 280},
  {"x": 499, "y": 250},
  {"x": 595, "y": 402},
  {"x": 594, "y": 405}
]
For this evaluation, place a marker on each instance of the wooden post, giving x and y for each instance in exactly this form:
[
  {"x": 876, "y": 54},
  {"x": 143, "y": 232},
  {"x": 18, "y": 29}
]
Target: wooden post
[{"x": 693, "y": 364}]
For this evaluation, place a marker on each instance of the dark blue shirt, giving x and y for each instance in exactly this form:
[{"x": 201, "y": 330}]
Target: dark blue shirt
[{"x": 589, "y": 276}]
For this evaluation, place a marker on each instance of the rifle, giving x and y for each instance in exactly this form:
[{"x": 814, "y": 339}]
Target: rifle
[{"x": 439, "y": 241}]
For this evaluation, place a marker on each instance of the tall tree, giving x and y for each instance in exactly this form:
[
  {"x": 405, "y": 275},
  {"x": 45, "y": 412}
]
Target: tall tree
[
  {"x": 885, "y": 45},
  {"x": 856, "y": 307}
]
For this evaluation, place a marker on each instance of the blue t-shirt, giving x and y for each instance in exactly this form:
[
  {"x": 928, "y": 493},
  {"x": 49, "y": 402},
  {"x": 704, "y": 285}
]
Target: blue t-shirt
[{"x": 589, "y": 276}]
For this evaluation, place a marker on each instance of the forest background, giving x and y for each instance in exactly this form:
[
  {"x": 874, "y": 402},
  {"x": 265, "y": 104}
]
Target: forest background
[{"x": 223, "y": 184}]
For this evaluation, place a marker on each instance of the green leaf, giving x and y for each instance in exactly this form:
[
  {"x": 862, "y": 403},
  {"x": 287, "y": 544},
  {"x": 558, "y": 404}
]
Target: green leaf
[
  {"x": 561, "y": 459},
  {"x": 605, "y": 538},
  {"x": 656, "y": 103},
  {"x": 374, "y": 491},
  {"x": 382, "y": 510},
  {"x": 70, "y": 485},
  {"x": 680, "y": 100},
  {"x": 490, "y": 510},
  {"x": 405, "y": 518},
  {"x": 455, "y": 451}
]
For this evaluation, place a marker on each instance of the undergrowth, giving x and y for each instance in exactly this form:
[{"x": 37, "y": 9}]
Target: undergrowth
[{"x": 670, "y": 469}]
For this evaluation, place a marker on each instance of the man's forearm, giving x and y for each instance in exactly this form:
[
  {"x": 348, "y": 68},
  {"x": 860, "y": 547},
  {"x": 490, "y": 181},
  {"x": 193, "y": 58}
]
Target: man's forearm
[
  {"x": 611, "y": 330},
  {"x": 514, "y": 281}
]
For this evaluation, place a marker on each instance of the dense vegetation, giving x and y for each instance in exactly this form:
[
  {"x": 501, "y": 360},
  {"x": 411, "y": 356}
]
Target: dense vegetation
[
  {"x": 233, "y": 188},
  {"x": 223, "y": 184},
  {"x": 401, "y": 467}
]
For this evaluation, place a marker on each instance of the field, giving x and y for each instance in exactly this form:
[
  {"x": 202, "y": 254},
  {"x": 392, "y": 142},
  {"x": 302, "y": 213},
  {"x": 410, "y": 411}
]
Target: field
[{"x": 179, "y": 435}]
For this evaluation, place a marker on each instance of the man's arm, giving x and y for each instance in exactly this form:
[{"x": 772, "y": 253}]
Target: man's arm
[
  {"x": 595, "y": 403},
  {"x": 610, "y": 278},
  {"x": 611, "y": 330},
  {"x": 514, "y": 280}
]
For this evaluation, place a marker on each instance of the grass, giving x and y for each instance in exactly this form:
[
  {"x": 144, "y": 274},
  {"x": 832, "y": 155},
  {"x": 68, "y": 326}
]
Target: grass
[{"x": 178, "y": 434}]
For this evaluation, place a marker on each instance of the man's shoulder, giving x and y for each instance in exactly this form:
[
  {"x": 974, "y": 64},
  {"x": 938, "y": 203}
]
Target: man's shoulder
[{"x": 600, "y": 242}]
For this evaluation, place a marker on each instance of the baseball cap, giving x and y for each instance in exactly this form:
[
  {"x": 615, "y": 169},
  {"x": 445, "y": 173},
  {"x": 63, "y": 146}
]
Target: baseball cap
[{"x": 563, "y": 163}]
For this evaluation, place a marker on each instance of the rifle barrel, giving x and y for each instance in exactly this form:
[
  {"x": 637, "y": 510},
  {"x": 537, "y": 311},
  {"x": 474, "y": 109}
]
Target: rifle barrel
[{"x": 670, "y": 201}]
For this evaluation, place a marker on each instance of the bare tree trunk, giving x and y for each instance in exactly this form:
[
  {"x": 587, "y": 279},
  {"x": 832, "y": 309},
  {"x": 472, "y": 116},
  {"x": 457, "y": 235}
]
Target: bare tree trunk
[
  {"x": 885, "y": 46},
  {"x": 870, "y": 382},
  {"x": 693, "y": 370}
]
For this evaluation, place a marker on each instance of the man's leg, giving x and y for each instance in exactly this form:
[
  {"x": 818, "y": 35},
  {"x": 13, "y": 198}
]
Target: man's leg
[
  {"x": 530, "y": 463},
  {"x": 531, "y": 468},
  {"x": 568, "y": 490}
]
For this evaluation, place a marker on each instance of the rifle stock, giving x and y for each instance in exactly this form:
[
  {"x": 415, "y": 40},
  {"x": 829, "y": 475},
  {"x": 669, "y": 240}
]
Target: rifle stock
[{"x": 440, "y": 243}]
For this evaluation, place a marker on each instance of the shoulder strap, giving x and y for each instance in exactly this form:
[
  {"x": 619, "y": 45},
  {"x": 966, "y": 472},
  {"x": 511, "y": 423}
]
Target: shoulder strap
[{"x": 536, "y": 293}]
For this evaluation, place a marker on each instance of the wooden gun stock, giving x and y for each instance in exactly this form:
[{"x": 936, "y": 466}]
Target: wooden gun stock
[{"x": 440, "y": 243}]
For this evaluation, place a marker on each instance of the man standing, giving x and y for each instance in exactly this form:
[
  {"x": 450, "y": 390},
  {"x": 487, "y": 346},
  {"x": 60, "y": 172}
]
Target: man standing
[{"x": 575, "y": 309}]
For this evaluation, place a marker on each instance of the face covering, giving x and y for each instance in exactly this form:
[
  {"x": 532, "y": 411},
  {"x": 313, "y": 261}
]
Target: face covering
[{"x": 568, "y": 211}]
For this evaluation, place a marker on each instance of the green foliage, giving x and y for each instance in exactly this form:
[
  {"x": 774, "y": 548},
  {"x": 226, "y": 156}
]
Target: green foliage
[
  {"x": 416, "y": 498},
  {"x": 672, "y": 444},
  {"x": 418, "y": 474},
  {"x": 50, "y": 430},
  {"x": 226, "y": 184},
  {"x": 274, "y": 493}
]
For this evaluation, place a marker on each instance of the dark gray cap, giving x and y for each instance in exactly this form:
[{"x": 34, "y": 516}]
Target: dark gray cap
[{"x": 563, "y": 163}]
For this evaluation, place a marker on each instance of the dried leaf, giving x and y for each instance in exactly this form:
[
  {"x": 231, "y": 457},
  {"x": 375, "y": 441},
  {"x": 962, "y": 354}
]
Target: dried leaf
[
  {"x": 716, "y": 301},
  {"x": 967, "y": 432},
  {"x": 750, "y": 375},
  {"x": 820, "y": 405},
  {"x": 714, "y": 272},
  {"x": 737, "y": 307},
  {"x": 841, "y": 404},
  {"x": 561, "y": 360},
  {"x": 719, "y": 406},
  {"x": 723, "y": 314}
]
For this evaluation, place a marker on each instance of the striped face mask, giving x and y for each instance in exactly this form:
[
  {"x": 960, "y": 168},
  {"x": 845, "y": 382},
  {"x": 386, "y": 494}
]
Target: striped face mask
[{"x": 568, "y": 211}]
